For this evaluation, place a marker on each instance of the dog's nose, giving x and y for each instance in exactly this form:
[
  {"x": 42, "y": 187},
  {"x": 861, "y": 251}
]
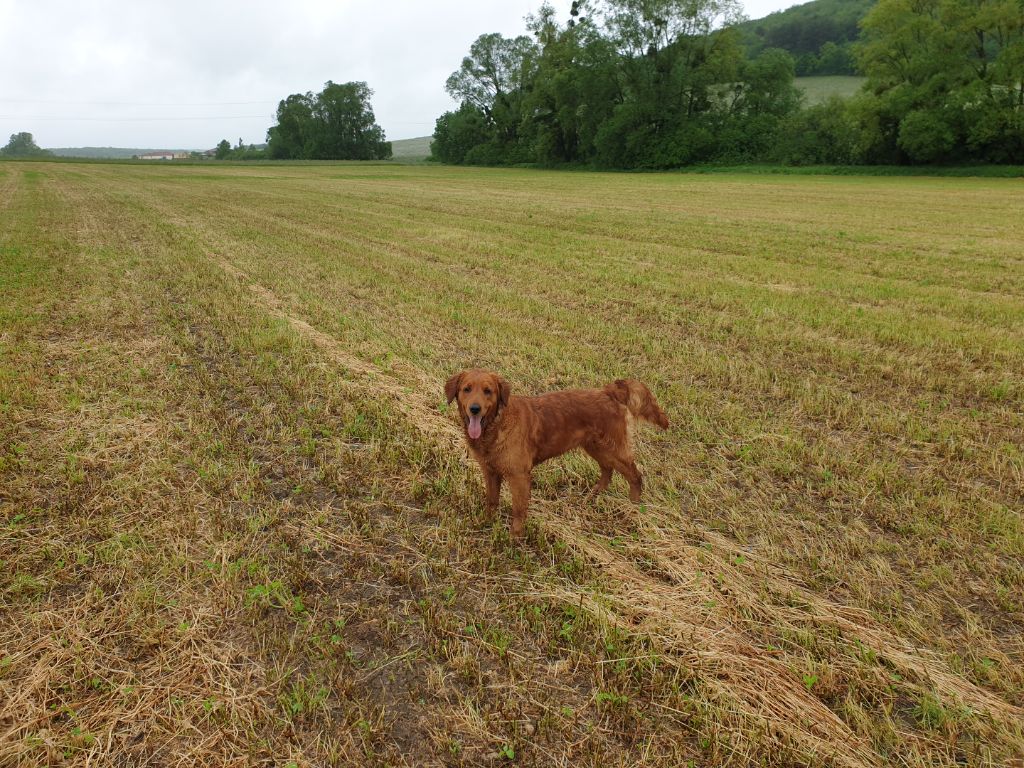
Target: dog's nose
[{"x": 474, "y": 408}]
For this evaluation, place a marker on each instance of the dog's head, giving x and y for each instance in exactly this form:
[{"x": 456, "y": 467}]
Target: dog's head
[{"x": 480, "y": 395}]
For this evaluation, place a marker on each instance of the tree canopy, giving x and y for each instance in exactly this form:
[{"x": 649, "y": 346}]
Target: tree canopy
[
  {"x": 945, "y": 80},
  {"x": 23, "y": 145},
  {"x": 667, "y": 83},
  {"x": 336, "y": 124},
  {"x": 623, "y": 84}
]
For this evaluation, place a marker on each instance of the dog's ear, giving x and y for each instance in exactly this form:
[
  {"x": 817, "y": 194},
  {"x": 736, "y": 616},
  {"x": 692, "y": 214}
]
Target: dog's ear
[
  {"x": 618, "y": 390},
  {"x": 504, "y": 390},
  {"x": 451, "y": 387}
]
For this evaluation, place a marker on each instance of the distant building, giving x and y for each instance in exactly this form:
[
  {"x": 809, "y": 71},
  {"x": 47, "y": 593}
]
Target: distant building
[{"x": 168, "y": 155}]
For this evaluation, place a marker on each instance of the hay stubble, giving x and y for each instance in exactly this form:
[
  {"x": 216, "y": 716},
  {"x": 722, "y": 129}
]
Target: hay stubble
[{"x": 223, "y": 442}]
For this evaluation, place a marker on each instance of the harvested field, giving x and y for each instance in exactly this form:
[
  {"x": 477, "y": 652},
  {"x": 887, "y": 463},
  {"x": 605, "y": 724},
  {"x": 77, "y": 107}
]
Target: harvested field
[{"x": 238, "y": 525}]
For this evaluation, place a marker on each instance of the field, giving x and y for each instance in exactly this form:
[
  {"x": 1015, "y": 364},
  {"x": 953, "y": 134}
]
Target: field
[
  {"x": 238, "y": 526},
  {"x": 820, "y": 89},
  {"x": 412, "y": 149}
]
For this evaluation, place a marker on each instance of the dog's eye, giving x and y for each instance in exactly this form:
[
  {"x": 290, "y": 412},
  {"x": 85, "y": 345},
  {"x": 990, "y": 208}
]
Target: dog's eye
[
  {"x": 487, "y": 391},
  {"x": 467, "y": 389}
]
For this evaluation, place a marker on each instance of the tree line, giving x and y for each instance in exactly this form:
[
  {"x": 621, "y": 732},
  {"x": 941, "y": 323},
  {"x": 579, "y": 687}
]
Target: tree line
[{"x": 638, "y": 84}]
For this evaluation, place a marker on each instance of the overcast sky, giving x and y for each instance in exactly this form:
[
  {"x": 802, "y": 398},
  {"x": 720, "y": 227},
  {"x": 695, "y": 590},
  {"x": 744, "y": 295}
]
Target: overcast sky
[{"x": 186, "y": 74}]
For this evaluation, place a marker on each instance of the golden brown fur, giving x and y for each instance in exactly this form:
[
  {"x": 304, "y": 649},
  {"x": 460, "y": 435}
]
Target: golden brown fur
[{"x": 509, "y": 435}]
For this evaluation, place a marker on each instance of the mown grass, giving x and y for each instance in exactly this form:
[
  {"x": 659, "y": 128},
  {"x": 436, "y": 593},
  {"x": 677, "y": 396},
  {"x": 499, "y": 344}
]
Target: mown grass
[
  {"x": 239, "y": 527},
  {"x": 949, "y": 171},
  {"x": 818, "y": 89}
]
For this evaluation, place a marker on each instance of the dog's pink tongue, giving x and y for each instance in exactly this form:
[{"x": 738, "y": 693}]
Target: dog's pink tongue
[{"x": 475, "y": 428}]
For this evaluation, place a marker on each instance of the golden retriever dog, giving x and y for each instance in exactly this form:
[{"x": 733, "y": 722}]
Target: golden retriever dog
[{"x": 509, "y": 435}]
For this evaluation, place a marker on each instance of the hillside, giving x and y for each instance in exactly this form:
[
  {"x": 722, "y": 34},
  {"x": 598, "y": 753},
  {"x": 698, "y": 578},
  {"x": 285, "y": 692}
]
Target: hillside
[
  {"x": 818, "y": 34},
  {"x": 411, "y": 149}
]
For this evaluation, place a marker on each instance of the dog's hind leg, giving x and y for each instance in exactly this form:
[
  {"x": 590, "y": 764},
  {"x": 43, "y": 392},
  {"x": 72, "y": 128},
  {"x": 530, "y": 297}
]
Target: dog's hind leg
[{"x": 606, "y": 469}]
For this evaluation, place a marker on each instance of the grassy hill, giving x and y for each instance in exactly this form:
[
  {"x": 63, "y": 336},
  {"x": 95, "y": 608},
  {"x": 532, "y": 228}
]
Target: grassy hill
[{"x": 412, "y": 149}]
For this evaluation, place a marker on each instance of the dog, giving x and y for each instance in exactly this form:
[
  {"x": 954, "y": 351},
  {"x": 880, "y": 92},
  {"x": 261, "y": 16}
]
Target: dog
[{"x": 509, "y": 436}]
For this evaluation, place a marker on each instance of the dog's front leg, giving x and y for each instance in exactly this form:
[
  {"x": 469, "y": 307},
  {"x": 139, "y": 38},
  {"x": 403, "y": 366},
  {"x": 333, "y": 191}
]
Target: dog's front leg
[
  {"x": 520, "y": 487},
  {"x": 493, "y": 499}
]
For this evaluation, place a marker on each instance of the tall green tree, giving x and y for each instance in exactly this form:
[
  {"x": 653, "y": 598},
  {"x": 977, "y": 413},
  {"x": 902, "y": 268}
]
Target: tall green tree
[
  {"x": 644, "y": 27},
  {"x": 23, "y": 145},
  {"x": 458, "y": 133},
  {"x": 336, "y": 124},
  {"x": 946, "y": 80},
  {"x": 675, "y": 59},
  {"x": 494, "y": 79},
  {"x": 223, "y": 149},
  {"x": 347, "y": 127},
  {"x": 292, "y": 137},
  {"x": 576, "y": 87}
]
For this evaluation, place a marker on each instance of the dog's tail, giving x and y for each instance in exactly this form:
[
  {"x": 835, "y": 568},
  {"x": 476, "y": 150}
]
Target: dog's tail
[{"x": 638, "y": 401}]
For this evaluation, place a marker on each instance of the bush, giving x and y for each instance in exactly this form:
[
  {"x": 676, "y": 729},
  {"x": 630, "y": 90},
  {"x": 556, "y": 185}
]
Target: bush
[
  {"x": 457, "y": 133},
  {"x": 496, "y": 153},
  {"x": 927, "y": 136},
  {"x": 825, "y": 134},
  {"x": 490, "y": 153}
]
